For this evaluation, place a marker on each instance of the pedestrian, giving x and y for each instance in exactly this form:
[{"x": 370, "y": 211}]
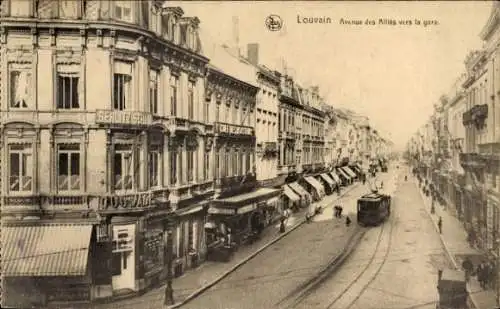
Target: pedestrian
[
  {"x": 480, "y": 275},
  {"x": 471, "y": 238},
  {"x": 406, "y": 177},
  {"x": 340, "y": 211},
  {"x": 440, "y": 225},
  {"x": 468, "y": 268},
  {"x": 282, "y": 224},
  {"x": 308, "y": 217},
  {"x": 347, "y": 221}
]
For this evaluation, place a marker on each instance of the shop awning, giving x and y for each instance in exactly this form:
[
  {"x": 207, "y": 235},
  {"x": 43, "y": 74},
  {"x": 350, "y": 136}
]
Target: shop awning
[
  {"x": 330, "y": 181},
  {"x": 242, "y": 203},
  {"x": 335, "y": 177},
  {"x": 344, "y": 174},
  {"x": 316, "y": 184},
  {"x": 290, "y": 194},
  {"x": 349, "y": 172},
  {"x": 190, "y": 209},
  {"x": 45, "y": 250},
  {"x": 299, "y": 190}
]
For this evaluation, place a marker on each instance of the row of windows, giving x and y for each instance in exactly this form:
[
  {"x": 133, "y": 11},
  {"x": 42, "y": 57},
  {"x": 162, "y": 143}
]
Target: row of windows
[
  {"x": 312, "y": 155},
  {"x": 126, "y": 169},
  {"x": 135, "y": 12},
  {"x": 69, "y": 87},
  {"x": 230, "y": 163},
  {"x": 229, "y": 113}
]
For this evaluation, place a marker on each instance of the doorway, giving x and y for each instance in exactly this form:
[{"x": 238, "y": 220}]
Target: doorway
[{"x": 123, "y": 257}]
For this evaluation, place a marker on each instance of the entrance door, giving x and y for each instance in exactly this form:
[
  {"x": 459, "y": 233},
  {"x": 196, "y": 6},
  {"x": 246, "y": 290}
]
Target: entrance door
[{"x": 123, "y": 257}]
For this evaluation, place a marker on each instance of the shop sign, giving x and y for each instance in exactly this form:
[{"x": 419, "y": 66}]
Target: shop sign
[
  {"x": 221, "y": 211},
  {"x": 246, "y": 209},
  {"x": 139, "y": 200},
  {"x": 123, "y": 117}
]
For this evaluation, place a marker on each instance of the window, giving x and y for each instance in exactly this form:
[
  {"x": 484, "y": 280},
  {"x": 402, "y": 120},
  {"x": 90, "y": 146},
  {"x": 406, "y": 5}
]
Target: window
[
  {"x": 68, "y": 167},
  {"x": 217, "y": 164},
  {"x": 228, "y": 115},
  {"x": 206, "y": 109},
  {"x": 122, "y": 85},
  {"x": 235, "y": 115},
  {"x": 173, "y": 167},
  {"x": 174, "y": 81},
  {"x": 190, "y": 165},
  {"x": 20, "y": 88},
  {"x": 126, "y": 167},
  {"x": 153, "y": 91},
  {"x": 180, "y": 168},
  {"x": 191, "y": 100},
  {"x": 68, "y": 8},
  {"x": 67, "y": 91},
  {"x": 20, "y": 8},
  {"x": 217, "y": 112},
  {"x": 225, "y": 168},
  {"x": 206, "y": 164},
  {"x": 155, "y": 166},
  {"x": 123, "y": 10},
  {"x": 235, "y": 162},
  {"x": 247, "y": 162},
  {"x": 240, "y": 164},
  {"x": 21, "y": 168}
]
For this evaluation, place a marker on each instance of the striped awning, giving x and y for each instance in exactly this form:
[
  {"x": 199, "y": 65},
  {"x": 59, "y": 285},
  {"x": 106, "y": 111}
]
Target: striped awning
[
  {"x": 344, "y": 174},
  {"x": 335, "y": 177},
  {"x": 45, "y": 250},
  {"x": 316, "y": 184},
  {"x": 290, "y": 194},
  {"x": 349, "y": 172},
  {"x": 327, "y": 178},
  {"x": 300, "y": 190}
]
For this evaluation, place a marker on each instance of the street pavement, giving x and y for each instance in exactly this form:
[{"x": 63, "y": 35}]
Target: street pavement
[
  {"x": 454, "y": 237},
  {"x": 401, "y": 272}
]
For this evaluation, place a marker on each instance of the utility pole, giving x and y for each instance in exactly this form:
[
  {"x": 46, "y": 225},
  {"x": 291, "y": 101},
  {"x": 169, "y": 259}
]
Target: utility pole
[{"x": 169, "y": 291}]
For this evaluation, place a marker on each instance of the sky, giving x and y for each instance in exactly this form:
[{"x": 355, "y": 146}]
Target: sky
[{"x": 391, "y": 73}]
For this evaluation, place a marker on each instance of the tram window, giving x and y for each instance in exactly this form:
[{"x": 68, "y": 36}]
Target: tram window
[{"x": 367, "y": 206}]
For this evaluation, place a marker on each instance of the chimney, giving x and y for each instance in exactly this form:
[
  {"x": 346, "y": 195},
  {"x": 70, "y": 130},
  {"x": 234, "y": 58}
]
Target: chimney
[{"x": 253, "y": 53}]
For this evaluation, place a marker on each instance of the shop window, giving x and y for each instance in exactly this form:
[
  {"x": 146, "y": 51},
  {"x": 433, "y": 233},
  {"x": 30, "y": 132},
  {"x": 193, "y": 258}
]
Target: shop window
[
  {"x": 126, "y": 167},
  {"x": 68, "y": 167},
  {"x": 21, "y": 168},
  {"x": 21, "y": 88},
  {"x": 174, "y": 85},
  {"x": 122, "y": 247},
  {"x": 154, "y": 249},
  {"x": 67, "y": 91},
  {"x": 153, "y": 91}
]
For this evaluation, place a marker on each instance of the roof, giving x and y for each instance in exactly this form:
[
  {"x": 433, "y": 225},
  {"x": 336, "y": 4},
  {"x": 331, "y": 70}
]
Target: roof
[
  {"x": 223, "y": 59},
  {"x": 372, "y": 196}
]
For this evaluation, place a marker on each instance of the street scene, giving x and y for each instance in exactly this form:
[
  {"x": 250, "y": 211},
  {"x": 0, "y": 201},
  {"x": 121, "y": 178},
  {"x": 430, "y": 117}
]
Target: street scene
[{"x": 190, "y": 154}]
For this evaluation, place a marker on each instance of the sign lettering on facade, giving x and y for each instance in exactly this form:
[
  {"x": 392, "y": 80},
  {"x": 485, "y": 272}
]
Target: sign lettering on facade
[
  {"x": 123, "y": 117},
  {"x": 139, "y": 200},
  {"x": 221, "y": 211}
]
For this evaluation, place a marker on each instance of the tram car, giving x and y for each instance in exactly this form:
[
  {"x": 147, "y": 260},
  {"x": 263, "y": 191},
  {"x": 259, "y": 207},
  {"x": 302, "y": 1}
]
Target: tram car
[{"x": 373, "y": 208}]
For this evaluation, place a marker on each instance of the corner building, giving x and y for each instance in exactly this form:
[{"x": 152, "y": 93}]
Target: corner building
[{"x": 102, "y": 139}]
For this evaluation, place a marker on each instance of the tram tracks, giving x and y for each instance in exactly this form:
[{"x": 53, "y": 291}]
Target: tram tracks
[{"x": 361, "y": 281}]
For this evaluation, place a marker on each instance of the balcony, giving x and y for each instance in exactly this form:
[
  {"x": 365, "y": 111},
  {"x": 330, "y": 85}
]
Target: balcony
[
  {"x": 131, "y": 202},
  {"x": 287, "y": 168},
  {"x": 233, "y": 183},
  {"x": 476, "y": 116},
  {"x": 270, "y": 149},
  {"x": 228, "y": 129},
  {"x": 472, "y": 161}
]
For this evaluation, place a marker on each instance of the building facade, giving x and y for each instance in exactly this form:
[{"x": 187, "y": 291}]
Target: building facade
[{"x": 102, "y": 136}]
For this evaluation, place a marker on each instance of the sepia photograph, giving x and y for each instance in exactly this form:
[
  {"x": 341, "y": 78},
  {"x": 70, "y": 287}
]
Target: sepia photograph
[{"x": 163, "y": 154}]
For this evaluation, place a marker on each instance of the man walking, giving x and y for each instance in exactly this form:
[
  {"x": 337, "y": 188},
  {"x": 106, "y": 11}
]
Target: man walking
[
  {"x": 440, "y": 225},
  {"x": 468, "y": 268}
]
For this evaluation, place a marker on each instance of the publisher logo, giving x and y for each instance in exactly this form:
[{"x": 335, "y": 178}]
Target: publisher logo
[{"x": 274, "y": 22}]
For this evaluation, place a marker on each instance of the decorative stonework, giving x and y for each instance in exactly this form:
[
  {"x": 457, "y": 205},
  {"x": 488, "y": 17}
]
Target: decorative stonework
[{"x": 20, "y": 55}]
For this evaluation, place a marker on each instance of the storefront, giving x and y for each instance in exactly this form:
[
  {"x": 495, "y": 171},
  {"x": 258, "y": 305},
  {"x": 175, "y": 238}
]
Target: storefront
[
  {"x": 305, "y": 197},
  {"x": 46, "y": 264},
  {"x": 240, "y": 217},
  {"x": 314, "y": 187},
  {"x": 327, "y": 182}
]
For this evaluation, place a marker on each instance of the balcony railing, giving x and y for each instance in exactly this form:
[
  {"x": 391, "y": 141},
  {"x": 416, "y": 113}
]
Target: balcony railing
[
  {"x": 233, "y": 129},
  {"x": 472, "y": 160},
  {"x": 230, "y": 182},
  {"x": 476, "y": 115}
]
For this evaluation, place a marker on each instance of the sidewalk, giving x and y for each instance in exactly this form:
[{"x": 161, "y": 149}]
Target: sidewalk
[
  {"x": 454, "y": 239},
  {"x": 192, "y": 281}
]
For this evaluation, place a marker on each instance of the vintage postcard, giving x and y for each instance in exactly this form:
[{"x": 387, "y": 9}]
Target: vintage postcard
[{"x": 249, "y": 154}]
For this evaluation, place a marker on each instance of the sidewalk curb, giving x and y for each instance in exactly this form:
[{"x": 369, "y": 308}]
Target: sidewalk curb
[
  {"x": 248, "y": 258},
  {"x": 443, "y": 242}
]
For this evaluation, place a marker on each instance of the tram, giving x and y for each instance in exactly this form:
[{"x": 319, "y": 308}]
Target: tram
[{"x": 373, "y": 208}]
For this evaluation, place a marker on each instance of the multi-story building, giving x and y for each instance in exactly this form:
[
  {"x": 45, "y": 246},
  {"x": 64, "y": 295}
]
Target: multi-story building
[
  {"x": 240, "y": 206},
  {"x": 103, "y": 139},
  {"x": 266, "y": 125}
]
